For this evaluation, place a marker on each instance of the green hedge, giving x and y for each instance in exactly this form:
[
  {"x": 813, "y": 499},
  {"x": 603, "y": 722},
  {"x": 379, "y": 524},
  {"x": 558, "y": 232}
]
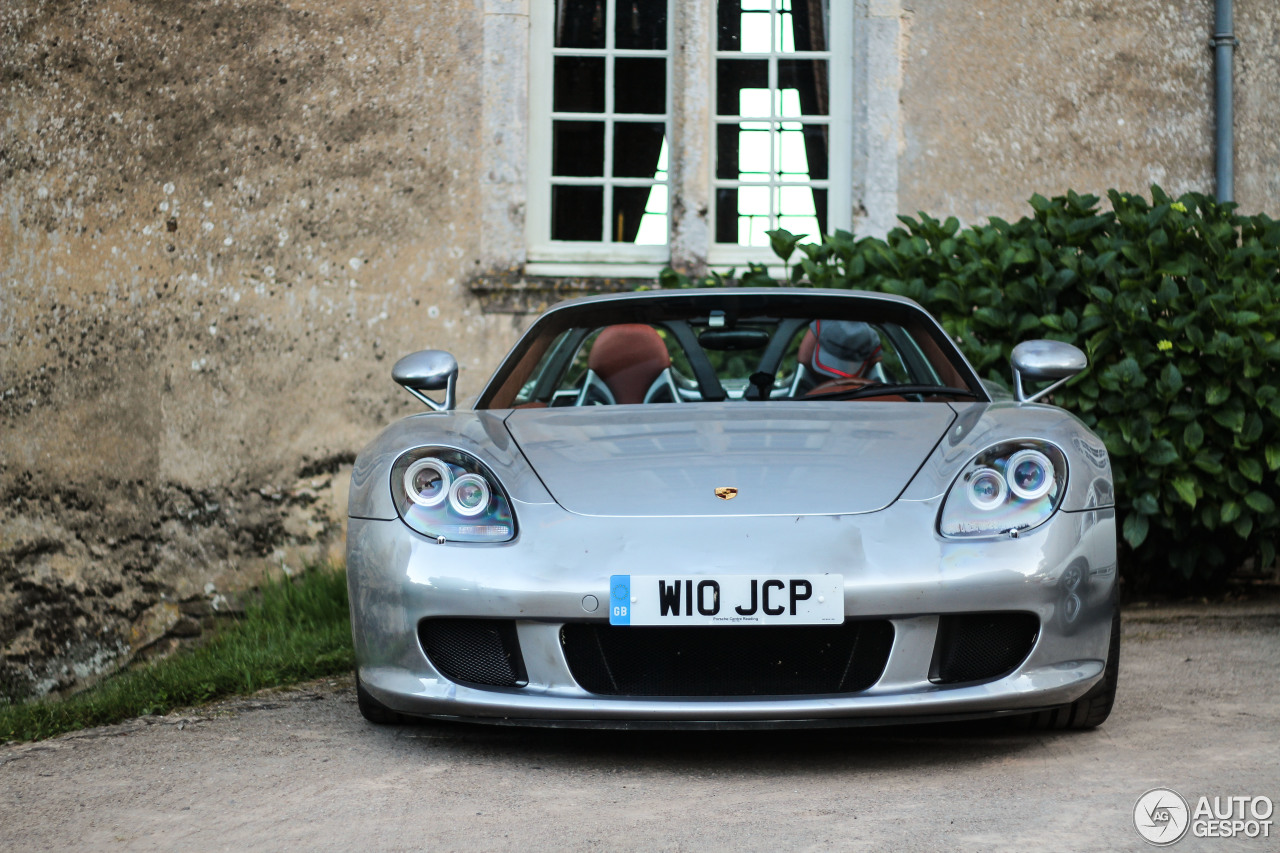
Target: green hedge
[{"x": 1177, "y": 304}]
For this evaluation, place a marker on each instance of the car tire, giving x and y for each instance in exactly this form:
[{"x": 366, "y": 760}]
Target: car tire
[
  {"x": 374, "y": 711},
  {"x": 1091, "y": 709}
]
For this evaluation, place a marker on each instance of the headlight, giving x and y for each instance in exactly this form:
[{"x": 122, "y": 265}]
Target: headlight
[
  {"x": 1016, "y": 485},
  {"x": 469, "y": 495},
  {"x": 427, "y": 482},
  {"x": 450, "y": 495}
]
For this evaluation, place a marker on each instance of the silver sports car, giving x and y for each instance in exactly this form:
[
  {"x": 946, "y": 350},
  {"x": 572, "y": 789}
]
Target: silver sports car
[{"x": 731, "y": 508}]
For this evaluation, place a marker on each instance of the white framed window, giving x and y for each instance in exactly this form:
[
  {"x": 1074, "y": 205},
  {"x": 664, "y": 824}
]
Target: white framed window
[
  {"x": 599, "y": 102},
  {"x": 783, "y": 116},
  {"x": 679, "y": 131}
]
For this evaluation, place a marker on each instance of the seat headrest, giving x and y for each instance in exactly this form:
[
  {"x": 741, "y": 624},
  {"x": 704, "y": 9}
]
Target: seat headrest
[{"x": 628, "y": 358}]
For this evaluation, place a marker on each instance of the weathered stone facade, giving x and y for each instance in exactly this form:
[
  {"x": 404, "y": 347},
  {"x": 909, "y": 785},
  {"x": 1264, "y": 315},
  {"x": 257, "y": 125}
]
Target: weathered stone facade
[
  {"x": 1005, "y": 99},
  {"x": 222, "y": 222}
]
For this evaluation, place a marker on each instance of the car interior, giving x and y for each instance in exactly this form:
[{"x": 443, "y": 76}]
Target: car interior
[{"x": 714, "y": 357}]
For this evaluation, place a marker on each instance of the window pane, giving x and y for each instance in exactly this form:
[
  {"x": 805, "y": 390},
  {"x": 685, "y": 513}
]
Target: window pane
[
  {"x": 808, "y": 79},
  {"x": 577, "y": 148},
  {"x": 653, "y": 227},
  {"x": 742, "y": 216},
  {"x": 743, "y": 152},
  {"x": 820, "y": 205},
  {"x": 576, "y": 213},
  {"x": 641, "y": 25},
  {"x": 637, "y": 206},
  {"x": 803, "y": 25},
  {"x": 743, "y": 25},
  {"x": 640, "y": 86},
  {"x": 636, "y": 148},
  {"x": 579, "y": 84},
  {"x": 735, "y": 75},
  {"x": 726, "y": 215},
  {"x": 802, "y": 152},
  {"x": 579, "y": 23},
  {"x": 795, "y": 201},
  {"x": 753, "y": 201},
  {"x": 727, "y": 151}
]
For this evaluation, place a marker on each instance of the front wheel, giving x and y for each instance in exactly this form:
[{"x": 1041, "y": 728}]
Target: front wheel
[{"x": 1091, "y": 709}]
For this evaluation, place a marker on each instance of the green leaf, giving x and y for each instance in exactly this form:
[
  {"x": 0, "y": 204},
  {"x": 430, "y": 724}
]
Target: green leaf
[
  {"x": 1208, "y": 464},
  {"x": 1243, "y": 526},
  {"x": 1232, "y": 418},
  {"x": 1230, "y": 511},
  {"x": 1193, "y": 436},
  {"x": 1170, "y": 382},
  {"x": 1135, "y": 529},
  {"x": 1186, "y": 489},
  {"x": 1260, "y": 503},
  {"x": 1216, "y": 395},
  {"x": 1147, "y": 504},
  {"x": 1273, "y": 456},
  {"x": 1252, "y": 428},
  {"x": 1161, "y": 453},
  {"x": 783, "y": 243},
  {"x": 1251, "y": 468}
]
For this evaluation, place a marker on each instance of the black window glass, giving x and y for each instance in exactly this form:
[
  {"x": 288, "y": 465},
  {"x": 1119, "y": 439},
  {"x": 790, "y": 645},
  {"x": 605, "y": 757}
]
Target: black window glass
[
  {"x": 636, "y": 146},
  {"x": 577, "y": 149},
  {"x": 579, "y": 23},
  {"x": 579, "y": 84},
  {"x": 640, "y": 85},
  {"x": 641, "y": 25},
  {"x": 576, "y": 213}
]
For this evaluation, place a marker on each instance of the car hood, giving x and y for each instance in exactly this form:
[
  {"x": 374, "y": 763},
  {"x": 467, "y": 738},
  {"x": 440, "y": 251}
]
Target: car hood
[{"x": 807, "y": 458}]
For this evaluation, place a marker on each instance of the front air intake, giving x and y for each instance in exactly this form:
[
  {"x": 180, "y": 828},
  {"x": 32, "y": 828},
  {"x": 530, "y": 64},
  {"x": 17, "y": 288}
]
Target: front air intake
[
  {"x": 474, "y": 651},
  {"x": 778, "y": 660},
  {"x": 981, "y": 646}
]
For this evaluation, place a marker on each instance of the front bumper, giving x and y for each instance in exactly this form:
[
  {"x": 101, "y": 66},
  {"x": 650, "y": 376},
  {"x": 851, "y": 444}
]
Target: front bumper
[{"x": 895, "y": 567}]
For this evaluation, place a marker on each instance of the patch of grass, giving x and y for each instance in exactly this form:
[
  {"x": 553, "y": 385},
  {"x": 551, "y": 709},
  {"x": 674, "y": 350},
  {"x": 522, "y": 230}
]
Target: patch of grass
[{"x": 298, "y": 629}]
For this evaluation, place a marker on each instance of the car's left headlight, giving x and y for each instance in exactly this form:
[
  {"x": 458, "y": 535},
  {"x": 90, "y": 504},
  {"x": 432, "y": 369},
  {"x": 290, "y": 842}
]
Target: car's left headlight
[
  {"x": 1012, "y": 486},
  {"x": 451, "y": 496}
]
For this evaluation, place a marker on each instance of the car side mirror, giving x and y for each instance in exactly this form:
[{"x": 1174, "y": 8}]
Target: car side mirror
[
  {"x": 429, "y": 370},
  {"x": 1044, "y": 361}
]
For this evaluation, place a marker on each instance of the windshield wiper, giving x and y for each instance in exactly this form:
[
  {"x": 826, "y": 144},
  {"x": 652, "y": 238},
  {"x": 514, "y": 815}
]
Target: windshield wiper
[{"x": 890, "y": 388}]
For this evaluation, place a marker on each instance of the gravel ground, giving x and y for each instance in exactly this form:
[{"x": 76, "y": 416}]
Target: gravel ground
[{"x": 1198, "y": 711}]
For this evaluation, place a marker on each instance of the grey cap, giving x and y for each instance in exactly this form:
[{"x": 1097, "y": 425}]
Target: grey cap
[{"x": 845, "y": 347}]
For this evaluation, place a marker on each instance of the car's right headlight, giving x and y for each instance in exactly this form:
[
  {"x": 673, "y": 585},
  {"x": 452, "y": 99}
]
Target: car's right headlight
[
  {"x": 1009, "y": 487},
  {"x": 451, "y": 496}
]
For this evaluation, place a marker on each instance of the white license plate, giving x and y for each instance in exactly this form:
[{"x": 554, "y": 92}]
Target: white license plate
[{"x": 726, "y": 599}]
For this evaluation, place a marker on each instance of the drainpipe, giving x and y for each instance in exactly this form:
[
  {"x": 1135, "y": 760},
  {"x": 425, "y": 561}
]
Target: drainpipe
[{"x": 1224, "y": 43}]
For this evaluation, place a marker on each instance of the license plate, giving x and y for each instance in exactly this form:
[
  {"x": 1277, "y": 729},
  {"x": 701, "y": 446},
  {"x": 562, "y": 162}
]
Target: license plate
[{"x": 726, "y": 600}]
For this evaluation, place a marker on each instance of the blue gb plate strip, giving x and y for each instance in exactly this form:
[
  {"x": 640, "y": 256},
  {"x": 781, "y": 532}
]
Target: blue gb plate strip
[{"x": 620, "y": 600}]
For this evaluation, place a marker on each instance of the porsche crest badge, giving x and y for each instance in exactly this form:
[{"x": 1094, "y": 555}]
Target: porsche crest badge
[{"x": 726, "y": 493}]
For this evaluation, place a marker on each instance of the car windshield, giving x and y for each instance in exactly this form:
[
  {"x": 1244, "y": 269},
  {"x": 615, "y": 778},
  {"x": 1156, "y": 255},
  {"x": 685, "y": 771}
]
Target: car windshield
[{"x": 711, "y": 347}]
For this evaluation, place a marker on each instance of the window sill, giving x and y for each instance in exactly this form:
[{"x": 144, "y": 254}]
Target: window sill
[{"x": 532, "y": 294}]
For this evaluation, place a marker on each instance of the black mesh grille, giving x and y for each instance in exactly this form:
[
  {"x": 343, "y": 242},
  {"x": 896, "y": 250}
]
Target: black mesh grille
[
  {"x": 479, "y": 651},
  {"x": 783, "y": 660},
  {"x": 981, "y": 646}
]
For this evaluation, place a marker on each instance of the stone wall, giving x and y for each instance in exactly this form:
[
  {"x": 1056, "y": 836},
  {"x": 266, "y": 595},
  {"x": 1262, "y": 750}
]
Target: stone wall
[
  {"x": 220, "y": 224},
  {"x": 1003, "y": 99}
]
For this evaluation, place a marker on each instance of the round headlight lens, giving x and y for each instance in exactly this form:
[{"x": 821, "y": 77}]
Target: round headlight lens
[
  {"x": 986, "y": 489},
  {"x": 427, "y": 482},
  {"x": 469, "y": 495},
  {"x": 1030, "y": 474}
]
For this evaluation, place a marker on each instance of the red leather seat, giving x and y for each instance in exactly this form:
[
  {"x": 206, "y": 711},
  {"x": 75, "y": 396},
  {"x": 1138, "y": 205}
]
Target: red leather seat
[{"x": 628, "y": 358}]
